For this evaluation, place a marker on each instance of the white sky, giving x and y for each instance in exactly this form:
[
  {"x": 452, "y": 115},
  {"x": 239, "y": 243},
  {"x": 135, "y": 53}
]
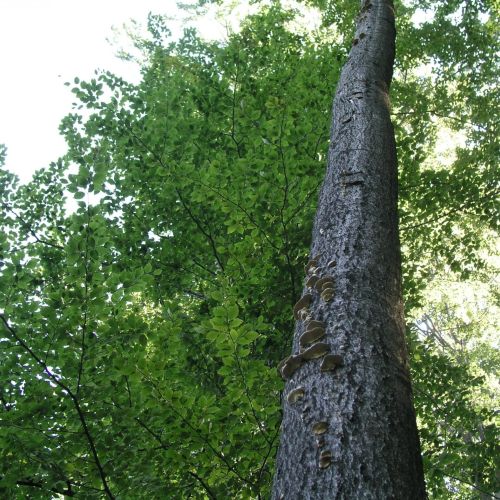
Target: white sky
[{"x": 44, "y": 43}]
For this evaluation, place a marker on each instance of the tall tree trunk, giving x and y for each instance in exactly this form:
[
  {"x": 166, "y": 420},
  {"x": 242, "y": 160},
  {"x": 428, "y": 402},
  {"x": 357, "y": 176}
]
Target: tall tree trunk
[{"x": 349, "y": 429}]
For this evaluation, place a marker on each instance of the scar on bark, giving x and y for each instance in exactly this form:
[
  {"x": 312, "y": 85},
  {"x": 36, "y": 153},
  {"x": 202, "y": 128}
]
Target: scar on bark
[
  {"x": 306, "y": 409},
  {"x": 367, "y": 5},
  {"x": 352, "y": 178}
]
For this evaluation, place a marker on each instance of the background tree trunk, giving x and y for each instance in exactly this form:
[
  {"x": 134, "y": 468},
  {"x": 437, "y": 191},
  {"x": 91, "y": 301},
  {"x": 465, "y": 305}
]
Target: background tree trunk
[{"x": 351, "y": 433}]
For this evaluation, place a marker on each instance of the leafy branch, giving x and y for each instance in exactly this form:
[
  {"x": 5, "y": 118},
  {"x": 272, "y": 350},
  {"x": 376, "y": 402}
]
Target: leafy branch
[{"x": 66, "y": 390}]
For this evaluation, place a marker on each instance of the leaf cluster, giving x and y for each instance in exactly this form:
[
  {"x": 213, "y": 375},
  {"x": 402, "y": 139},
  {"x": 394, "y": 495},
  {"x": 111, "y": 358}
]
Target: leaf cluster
[{"x": 147, "y": 277}]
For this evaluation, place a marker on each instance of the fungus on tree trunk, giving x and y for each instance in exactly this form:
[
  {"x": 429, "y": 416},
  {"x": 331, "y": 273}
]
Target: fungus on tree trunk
[{"x": 361, "y": 398}]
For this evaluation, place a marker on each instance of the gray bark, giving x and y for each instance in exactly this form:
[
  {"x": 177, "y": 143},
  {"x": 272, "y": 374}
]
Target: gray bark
[{"x": 350, "y": 433}]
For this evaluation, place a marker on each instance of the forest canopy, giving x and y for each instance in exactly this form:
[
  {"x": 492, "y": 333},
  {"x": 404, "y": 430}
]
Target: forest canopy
[{"x": 147, "y": 277}]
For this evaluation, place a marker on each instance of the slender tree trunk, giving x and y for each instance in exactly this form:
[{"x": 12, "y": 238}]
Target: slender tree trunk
[{"x": 349, "y": 429}]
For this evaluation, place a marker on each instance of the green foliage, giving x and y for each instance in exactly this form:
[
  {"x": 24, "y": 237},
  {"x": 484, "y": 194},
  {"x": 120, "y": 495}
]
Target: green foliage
[
  {"x": 161, "y": 305},
  {"x": 147, "y": 278},
  {"x": 458, "y": 436}
]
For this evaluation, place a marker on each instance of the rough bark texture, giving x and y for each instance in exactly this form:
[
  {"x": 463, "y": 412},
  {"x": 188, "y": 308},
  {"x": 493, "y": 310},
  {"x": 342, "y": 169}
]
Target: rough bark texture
[{"x": 351, "y": 433}]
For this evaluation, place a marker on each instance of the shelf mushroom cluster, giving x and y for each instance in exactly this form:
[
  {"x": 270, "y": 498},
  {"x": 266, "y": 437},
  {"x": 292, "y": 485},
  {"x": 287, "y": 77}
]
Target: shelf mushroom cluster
[{"x": 312, "y": 345}]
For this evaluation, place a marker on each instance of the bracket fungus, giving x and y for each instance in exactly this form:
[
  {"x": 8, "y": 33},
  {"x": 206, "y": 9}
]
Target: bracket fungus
[
  {"x": 303, "y": 303},
  {"x": 325, "y": 283},
  {"x": 312, "y": 281},
  {"x": 325, "y": 459},
  {"x": 332, "y": 263},
  {"x": 314, "y": 323},
  {"x": 320, "y": 428},
  {"x": 316, "y": 351},
  {"x": 310, "y": 336},
  {"x": 331, "y": 362},
  {"x": 327, "y": 294},
  {"x": 295, "y": 395},
  {"x": 304, "y": 315},
  {"x": 289, "y": 366},
  {"x": 312, "y": 264}
]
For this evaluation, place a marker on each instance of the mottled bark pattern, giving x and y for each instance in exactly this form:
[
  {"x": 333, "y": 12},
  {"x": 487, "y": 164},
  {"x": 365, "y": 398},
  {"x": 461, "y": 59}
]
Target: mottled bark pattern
[{"x": 370, "y": 447}]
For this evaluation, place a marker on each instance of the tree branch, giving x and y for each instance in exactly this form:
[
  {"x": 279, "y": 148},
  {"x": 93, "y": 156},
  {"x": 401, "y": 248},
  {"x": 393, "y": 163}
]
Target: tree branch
[
  {"x": 27, "y": 226},
  {"x": 68, "y": 492},
  {"x": 165, "y": 447},
  {"x": 73, "y": 398}
]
